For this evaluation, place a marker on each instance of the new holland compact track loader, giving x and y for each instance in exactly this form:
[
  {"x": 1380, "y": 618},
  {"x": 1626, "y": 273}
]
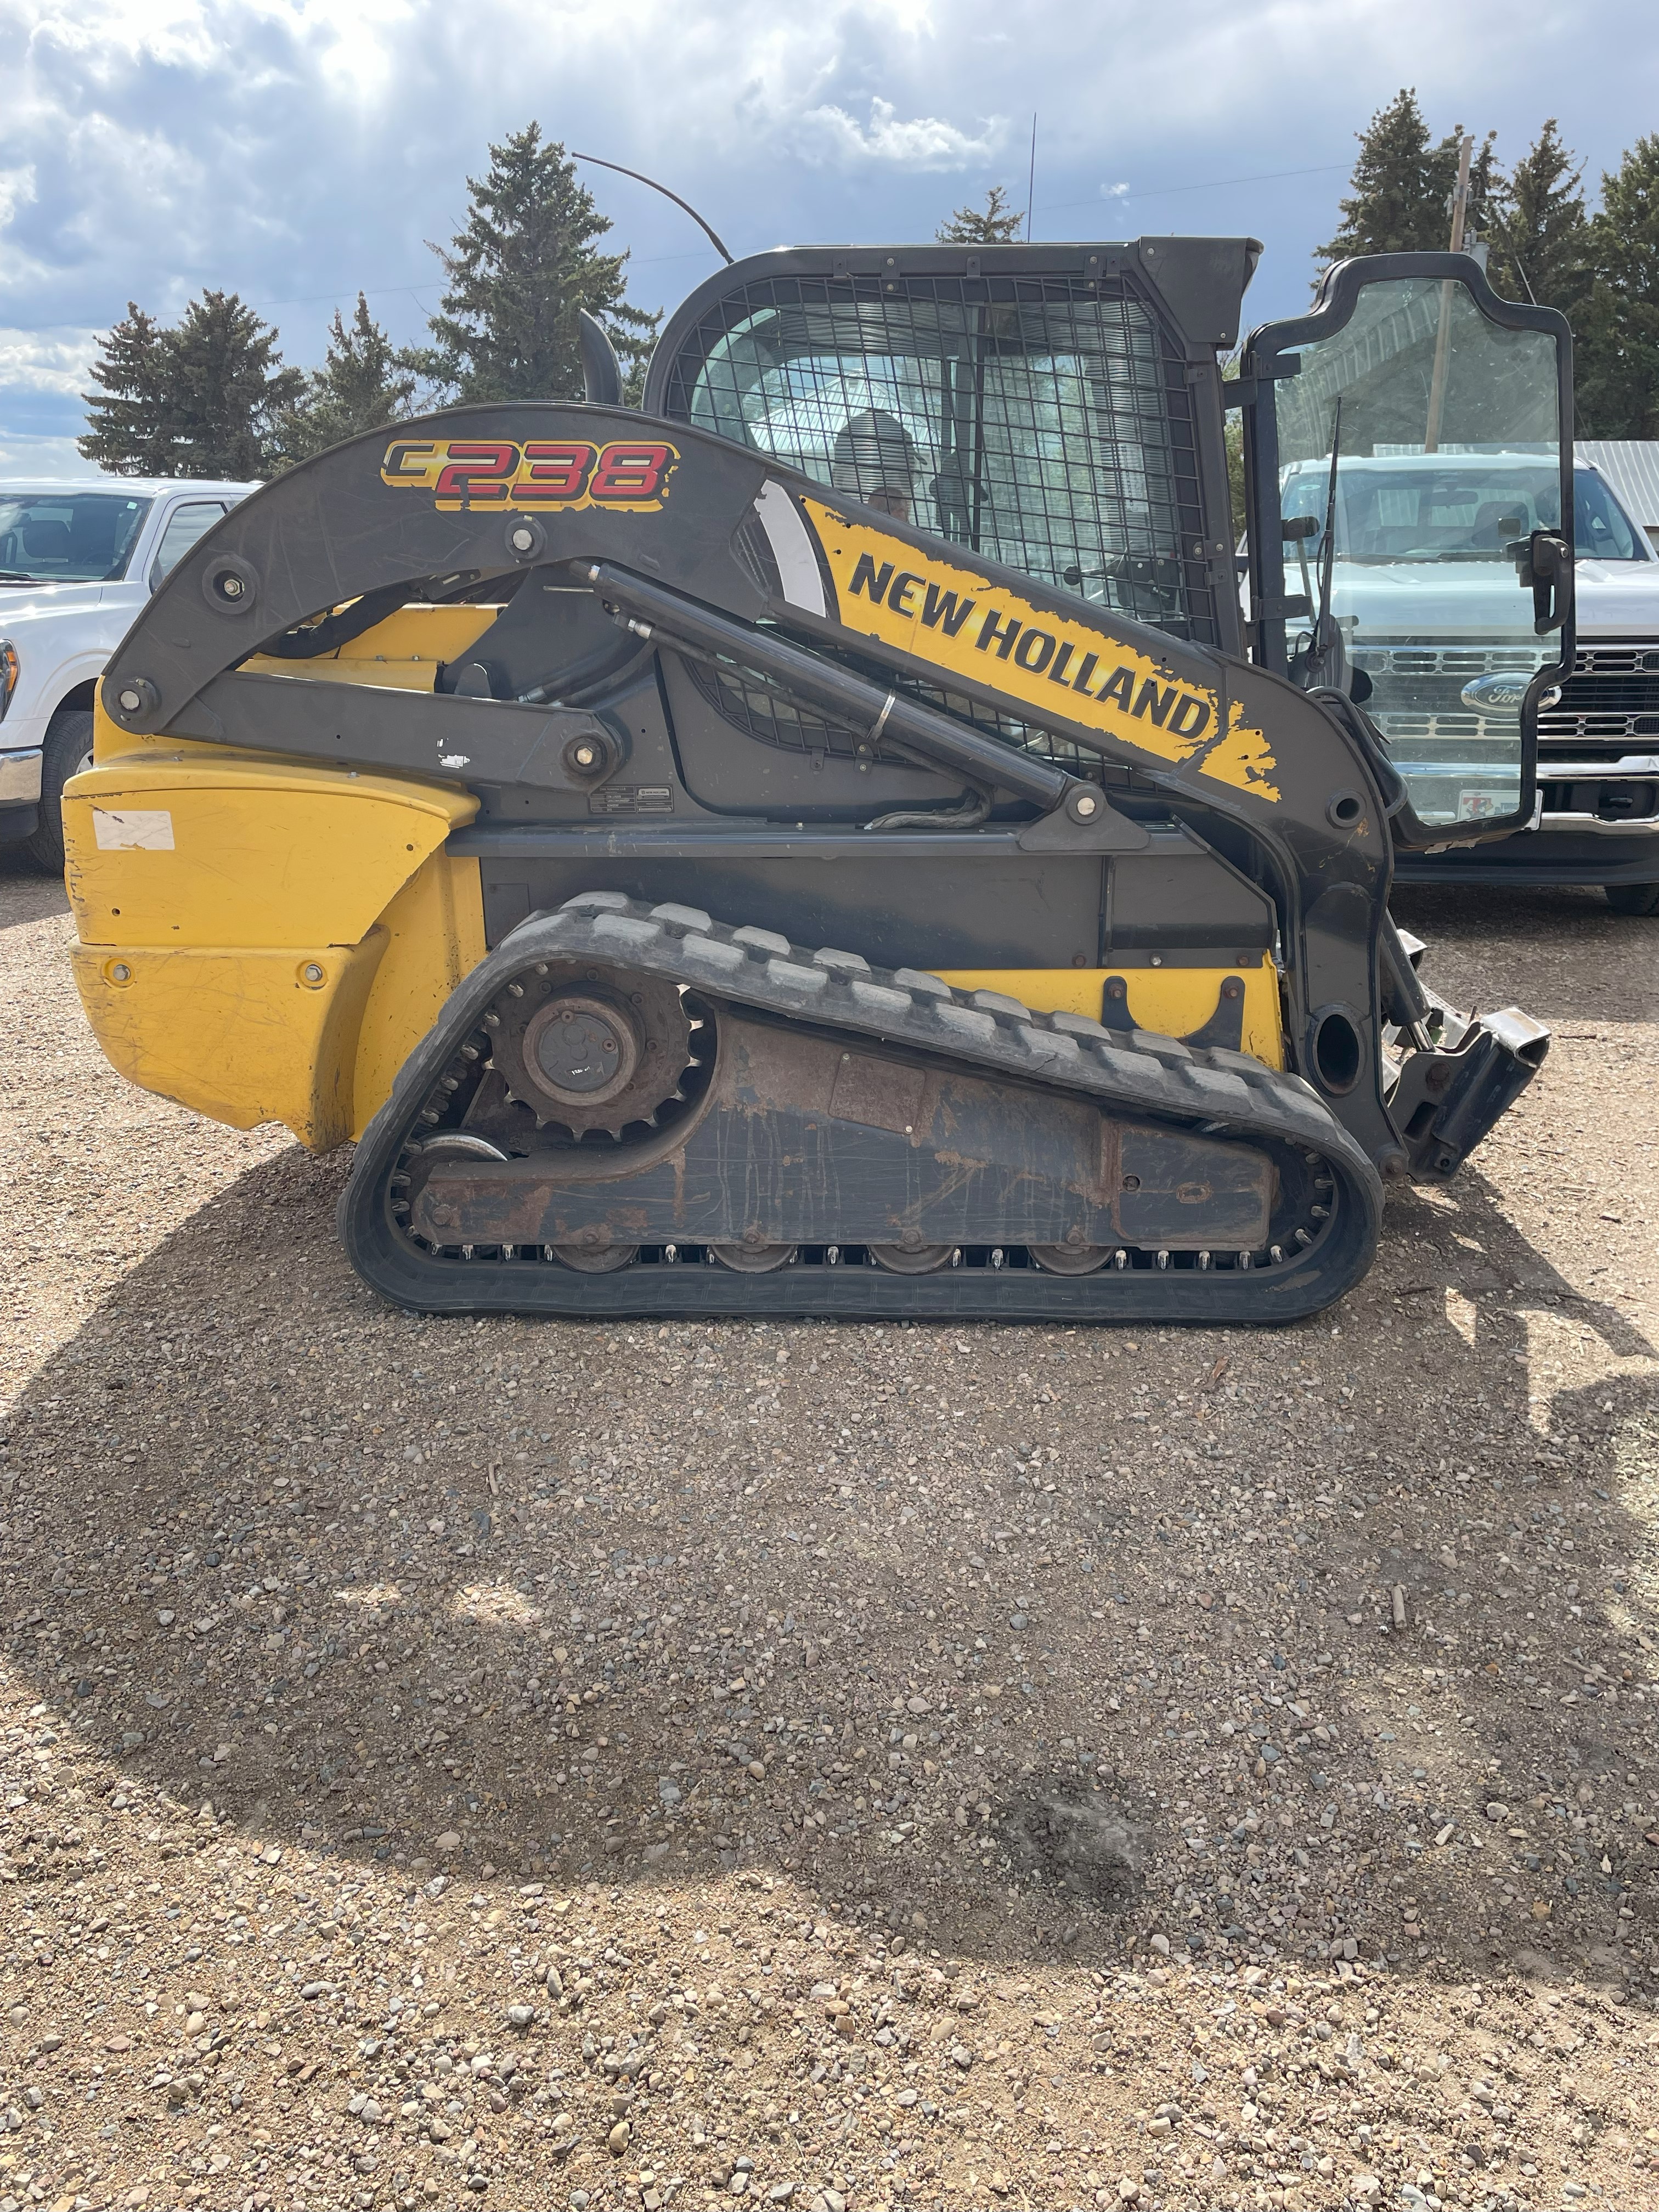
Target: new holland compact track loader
[{"x": 816, "y": 844}]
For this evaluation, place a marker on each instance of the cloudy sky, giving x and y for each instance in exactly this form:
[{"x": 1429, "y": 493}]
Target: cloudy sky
[{"x": 296, "y": 151}]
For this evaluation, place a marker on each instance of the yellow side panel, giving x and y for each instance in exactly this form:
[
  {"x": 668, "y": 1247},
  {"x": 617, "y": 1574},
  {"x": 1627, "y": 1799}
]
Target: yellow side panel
[
  {"x": 435, "y": 933},
  {"x": 243, "y": 1035},
  {"x": 1173, "y": 1001},
  {"x": 401, "y": 653},
  {"x": 206, "y": 845},
  {"x": 238, "y": 914},
  {"x": 424, "y": 633}
]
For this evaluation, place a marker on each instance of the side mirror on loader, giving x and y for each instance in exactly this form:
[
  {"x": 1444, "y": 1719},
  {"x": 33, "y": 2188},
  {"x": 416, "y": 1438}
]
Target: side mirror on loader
[
  {"x": 1407, "y": 444},
  {"x": 1544, "y": 566}
]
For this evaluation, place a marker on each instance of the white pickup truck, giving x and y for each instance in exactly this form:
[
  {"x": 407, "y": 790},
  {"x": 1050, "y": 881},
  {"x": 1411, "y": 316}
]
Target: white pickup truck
[
  {"x": 1424, "y": 591},
  {"x": 78, "y": 558}
]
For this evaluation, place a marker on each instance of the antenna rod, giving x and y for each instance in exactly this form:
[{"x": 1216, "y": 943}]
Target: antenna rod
[
  {"x": 714, "y": 235},
  {"x": 1031, "y": 183}
]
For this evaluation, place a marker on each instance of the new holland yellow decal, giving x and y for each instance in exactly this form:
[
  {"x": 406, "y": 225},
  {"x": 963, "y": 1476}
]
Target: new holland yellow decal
[
  {"x": 959, "y": 621},
  {"x": 629, "y": 475}
]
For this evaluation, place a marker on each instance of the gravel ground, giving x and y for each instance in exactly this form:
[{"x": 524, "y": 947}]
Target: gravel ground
[{"x": 838, "y": 1766}]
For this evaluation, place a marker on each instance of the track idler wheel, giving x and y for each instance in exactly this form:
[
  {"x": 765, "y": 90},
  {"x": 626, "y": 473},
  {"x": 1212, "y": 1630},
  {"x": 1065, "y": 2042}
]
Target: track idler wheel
[
  {"x": 596, "y": 1259},
  {"x": 1071, "y": 1259},
  {"x": 754, "y": 1259},
  {"x": 912, "y": 1259}
]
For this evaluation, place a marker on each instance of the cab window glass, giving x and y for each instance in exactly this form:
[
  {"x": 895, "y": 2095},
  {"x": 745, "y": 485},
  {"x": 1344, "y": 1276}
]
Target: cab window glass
[
  {"x": 184, "y": 526},
  {"x": 1432, "y": 435},
  {"x": 1045, "y": 423},
  {"x": 1601, "y": 529}
]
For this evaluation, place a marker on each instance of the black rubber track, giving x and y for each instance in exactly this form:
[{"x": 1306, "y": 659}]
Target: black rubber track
[{"x": 1222, "y": 1094}]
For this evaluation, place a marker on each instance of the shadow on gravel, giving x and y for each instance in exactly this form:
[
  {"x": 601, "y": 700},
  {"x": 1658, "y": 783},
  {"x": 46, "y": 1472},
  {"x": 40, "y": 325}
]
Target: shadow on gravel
[
  {"x": 30, "y": 896},
  {"x": 505, "y": 1635}
]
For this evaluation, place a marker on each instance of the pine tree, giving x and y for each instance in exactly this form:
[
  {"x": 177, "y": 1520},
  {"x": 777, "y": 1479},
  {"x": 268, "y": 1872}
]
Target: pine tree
[
  {"x": 1400, "y": 195},
  {"x": 198, "y": 400},
  {"x": 129, "y": 432},
  {"x": 359, "y": 387},
  {"x": 1617, "y": 331},
  {"x": 523, "y": 265},
  {"x": 1538, "y": 229},
  {"x": 994, "y": 224}
]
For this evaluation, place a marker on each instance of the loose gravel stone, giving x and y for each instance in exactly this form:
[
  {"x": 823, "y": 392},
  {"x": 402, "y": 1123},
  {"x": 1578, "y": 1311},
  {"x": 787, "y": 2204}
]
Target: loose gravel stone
[{"x": 637, "y": 1763}]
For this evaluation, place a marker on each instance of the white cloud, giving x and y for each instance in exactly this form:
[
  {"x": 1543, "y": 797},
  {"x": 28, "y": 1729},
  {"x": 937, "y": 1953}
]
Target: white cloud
[
  {"x": 47, "y": 360},
  {"x": 926, "y": 142},
  {"x": 16, "y": 187},
  {"x": 295, "y": 150},
  {"x": 25, "y": 456}
]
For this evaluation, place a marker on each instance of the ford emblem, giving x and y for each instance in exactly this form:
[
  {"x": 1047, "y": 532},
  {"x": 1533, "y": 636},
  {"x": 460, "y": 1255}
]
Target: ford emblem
[{"x": 1500, "y": 693}]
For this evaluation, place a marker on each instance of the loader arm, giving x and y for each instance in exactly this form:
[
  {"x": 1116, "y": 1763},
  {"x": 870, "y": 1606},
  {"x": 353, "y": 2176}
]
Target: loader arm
[{"x": 703, "y": 547}]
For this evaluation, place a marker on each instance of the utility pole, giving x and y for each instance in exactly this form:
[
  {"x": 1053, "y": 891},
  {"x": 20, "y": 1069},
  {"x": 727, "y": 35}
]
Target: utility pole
[{"x": 1460, "y": 208}]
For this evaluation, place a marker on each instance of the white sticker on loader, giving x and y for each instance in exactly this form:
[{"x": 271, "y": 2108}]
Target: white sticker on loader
[{"x": 145, "y": 830}]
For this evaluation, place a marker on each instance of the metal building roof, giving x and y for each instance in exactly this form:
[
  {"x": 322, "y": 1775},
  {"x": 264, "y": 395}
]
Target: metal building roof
[{"x": 1630, "y": 465}]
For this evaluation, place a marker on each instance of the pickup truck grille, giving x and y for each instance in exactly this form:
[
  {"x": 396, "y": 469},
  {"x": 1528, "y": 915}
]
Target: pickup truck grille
[
  {"x": 1409, "y": 661},
  {"x": 1611, "y": 696},
  {"x": 1598, "y": 744},
  {"x": 1458, "y": 763},
  {"x": 1609, "y": 705}
]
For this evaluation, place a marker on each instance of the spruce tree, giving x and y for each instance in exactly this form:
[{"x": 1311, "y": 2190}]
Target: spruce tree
[
  {"x": 1400, "y": 195},
  {"x": 228, "y": 388},
  {"x": 519, "y": 270},
  {"x": 1618, "y": 331},
  {"x": 198, "y": 400},
  {"x": 128, "y": 430},
  {"x": 994, "y": 224},
  {"x": 1539, "y": 232},
  {"x": 359, "y": 387}
]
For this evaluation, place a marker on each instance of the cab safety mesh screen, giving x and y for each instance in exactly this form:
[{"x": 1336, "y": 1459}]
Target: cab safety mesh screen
[{"x": 1044, "y": 422}]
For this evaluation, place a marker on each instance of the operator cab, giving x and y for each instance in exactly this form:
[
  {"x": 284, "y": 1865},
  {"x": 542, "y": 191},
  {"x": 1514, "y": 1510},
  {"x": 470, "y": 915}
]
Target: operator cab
[{"x": 1041, "y": 406}]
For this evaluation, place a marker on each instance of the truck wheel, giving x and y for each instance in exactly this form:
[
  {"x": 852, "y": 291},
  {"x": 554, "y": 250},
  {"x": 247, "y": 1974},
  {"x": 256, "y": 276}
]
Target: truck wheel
[
  {"x": 67, "y": 750},
  {"x": 1632, "y": 898}
]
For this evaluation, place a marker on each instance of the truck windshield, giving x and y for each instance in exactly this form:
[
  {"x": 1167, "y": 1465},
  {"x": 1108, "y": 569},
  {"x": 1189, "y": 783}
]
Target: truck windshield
[
  {"x": 1453, "y": 507},
  {"x": 67, "y": 537}
]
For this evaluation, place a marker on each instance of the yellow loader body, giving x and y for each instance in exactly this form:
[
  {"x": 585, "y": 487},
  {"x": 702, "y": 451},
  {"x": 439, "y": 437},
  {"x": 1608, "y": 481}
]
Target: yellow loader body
[{"x": 260, "y": 940}]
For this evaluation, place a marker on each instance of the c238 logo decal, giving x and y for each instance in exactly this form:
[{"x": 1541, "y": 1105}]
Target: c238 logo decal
[{"x": 628, "y": 475}]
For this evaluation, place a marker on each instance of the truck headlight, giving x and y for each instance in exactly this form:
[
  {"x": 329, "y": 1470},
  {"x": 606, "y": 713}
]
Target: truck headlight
[{"x": 7, "y": 674}]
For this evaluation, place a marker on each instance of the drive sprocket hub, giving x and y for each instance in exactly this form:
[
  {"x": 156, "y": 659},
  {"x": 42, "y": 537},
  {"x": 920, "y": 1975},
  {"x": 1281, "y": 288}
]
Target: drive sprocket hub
[{"x": 585, "y": 1049}]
